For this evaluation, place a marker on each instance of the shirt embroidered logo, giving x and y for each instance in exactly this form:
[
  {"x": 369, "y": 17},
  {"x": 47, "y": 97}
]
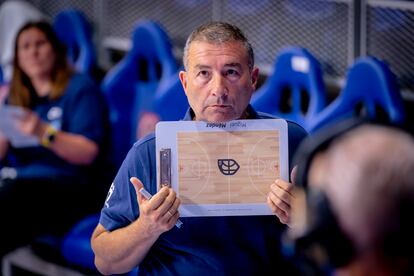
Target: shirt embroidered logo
[
  {"x": 54, "y": 113},
  {"x": 110, "y": 192}
]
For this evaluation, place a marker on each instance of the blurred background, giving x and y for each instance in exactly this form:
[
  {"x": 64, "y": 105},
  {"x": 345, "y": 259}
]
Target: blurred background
[{"x": 335, "y": 32}]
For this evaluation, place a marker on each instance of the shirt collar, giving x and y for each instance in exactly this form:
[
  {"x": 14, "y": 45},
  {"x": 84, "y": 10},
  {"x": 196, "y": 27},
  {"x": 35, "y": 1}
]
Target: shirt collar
[{"x": 251, "y": 114}]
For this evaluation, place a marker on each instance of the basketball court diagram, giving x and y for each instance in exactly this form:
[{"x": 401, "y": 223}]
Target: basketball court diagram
[
  {"x": 227, "y": 167},
  {"x": 222, "y": 169}
]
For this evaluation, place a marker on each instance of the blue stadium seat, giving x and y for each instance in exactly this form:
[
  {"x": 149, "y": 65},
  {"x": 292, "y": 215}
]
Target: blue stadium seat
[
  {"x": 296, "y": 82},
  {"x": 76, "y": 246},
  {"x": 170, "y": 101},
  {"x": 130, "y": 87},
  {"x": 370, "y": 91},
  {"x": 74, "y": 30}
]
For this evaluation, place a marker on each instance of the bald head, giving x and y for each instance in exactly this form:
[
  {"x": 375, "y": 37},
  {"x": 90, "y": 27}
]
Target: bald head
[{"x": 370, "y": 172}]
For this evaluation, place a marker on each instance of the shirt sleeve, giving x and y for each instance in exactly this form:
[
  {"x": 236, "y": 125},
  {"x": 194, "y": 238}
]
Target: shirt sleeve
[{"x": 121, "y": 205}]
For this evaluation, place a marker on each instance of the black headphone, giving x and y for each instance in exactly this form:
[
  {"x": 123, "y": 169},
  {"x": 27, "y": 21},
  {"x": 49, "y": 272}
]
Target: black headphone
[{"x": 322, "y": 246}]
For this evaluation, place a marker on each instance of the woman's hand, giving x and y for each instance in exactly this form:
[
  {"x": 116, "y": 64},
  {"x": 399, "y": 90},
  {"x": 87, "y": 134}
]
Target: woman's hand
[{"x": 30, "y": 124}]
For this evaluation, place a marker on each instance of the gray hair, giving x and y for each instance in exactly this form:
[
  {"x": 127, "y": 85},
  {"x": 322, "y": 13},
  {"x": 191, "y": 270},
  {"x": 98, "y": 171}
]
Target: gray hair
[{"x": 217, "y": 33}]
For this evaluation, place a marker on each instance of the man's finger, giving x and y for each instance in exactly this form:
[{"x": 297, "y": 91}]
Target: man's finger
[
  {"x": 166, "y": 198},
  {"x": 282, "y": 215},
  {"x": 293, "y": 174},
  {"x": 281, "y": 200},
  {"x": 137, "y": 185},
  {"x": 283, "y": 185}
]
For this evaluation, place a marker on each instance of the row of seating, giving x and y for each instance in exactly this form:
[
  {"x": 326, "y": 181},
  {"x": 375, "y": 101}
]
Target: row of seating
[
  {"x": 146, "y": 80},
  {"x": 370, "y": 90},
  {"x": 143, "y": 80}
]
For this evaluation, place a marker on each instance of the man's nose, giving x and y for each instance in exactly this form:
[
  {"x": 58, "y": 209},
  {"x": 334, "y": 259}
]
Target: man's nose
[{"x": 219, "y": 88}]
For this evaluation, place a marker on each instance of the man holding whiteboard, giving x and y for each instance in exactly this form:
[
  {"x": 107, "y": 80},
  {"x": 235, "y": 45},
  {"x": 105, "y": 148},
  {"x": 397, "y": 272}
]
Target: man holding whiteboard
[{"x": 219, "y": 80}]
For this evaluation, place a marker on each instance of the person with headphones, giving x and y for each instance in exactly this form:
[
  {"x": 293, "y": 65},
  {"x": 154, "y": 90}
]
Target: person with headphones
[{"x": 352, "y": 206}]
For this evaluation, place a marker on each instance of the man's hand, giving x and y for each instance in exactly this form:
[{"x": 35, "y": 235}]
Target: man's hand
[
  {"x": 280, "y": 198},
  {"x": 160, "y": 213}
]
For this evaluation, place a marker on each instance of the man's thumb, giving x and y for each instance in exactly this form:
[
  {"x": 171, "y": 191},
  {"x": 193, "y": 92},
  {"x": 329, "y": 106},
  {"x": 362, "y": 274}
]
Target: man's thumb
[
  {"x": 137, "y": 185},
  {"x": 293, "y": 174}
]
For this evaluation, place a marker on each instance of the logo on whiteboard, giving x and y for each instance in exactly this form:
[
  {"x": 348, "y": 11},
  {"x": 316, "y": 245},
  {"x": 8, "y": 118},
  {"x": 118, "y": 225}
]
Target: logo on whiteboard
[{"x": 228, "y": 166}]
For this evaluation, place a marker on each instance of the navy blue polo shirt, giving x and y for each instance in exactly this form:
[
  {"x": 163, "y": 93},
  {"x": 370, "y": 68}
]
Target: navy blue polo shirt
[{"x": 234, "y": 245}]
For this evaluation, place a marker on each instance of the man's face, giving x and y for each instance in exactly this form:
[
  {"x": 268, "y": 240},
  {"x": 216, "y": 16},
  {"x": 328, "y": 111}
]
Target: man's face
[{"x": 218, "y": 83}]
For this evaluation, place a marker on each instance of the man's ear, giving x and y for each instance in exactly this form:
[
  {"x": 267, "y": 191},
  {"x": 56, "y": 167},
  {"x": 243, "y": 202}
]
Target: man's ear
[
  {"x": 254, "y": 77},
  {"x": 183, "y": 79}
]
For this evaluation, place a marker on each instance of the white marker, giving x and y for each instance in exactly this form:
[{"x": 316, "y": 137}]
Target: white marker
[{"x": 148, "y": 196}]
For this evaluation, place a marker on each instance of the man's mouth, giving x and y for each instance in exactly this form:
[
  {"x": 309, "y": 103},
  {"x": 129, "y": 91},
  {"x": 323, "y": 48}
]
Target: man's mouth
[{"x": 221, "y": 106}]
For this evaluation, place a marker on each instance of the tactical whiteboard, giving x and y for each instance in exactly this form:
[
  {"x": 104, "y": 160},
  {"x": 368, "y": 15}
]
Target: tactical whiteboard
[{"x": 222, "y": 169}]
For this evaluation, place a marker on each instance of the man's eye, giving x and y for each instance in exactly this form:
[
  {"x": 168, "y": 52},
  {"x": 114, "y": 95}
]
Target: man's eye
[
  {"x": 232, "y": 72},
  {"x": 203, "y": 73}
]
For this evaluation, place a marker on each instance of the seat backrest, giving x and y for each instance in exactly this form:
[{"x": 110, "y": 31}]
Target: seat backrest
[
  {"x": 131, "y": 85},
  {"x": 74, "y": 30},
  {"x": 170, "y": 101},
  {"x": 295, "y": 90},
  {"x": 76, "y": 246},
  {"x": 370, "y": 91}
]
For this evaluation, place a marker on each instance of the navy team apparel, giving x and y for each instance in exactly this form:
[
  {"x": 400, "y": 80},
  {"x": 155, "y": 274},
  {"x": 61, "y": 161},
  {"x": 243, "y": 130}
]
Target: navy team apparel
[{"x": 234, "y": 245}]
